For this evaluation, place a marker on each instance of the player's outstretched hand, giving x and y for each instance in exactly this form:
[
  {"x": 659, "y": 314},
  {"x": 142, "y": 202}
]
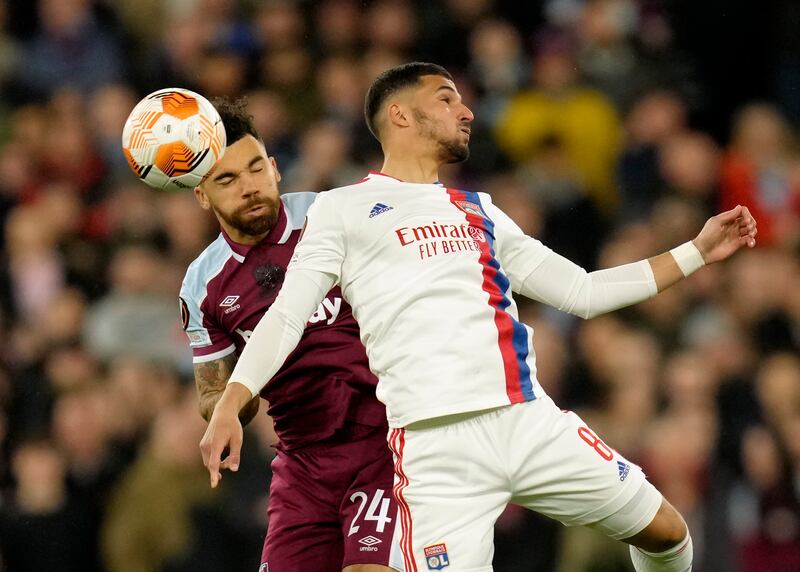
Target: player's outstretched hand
[
  {"x": 725, "y": 233},
  {"x": 224, "y": 431}
]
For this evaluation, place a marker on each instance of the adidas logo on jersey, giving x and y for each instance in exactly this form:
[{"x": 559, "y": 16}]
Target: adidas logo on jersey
[
  {"x": 624, "y": 469},
  {"x": 379, "y": 208}
]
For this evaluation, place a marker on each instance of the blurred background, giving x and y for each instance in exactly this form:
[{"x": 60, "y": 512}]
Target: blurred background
[{"x": 609, "y": 129}]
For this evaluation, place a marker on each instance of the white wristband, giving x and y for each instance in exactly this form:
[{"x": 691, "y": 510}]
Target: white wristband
[{"x": 688, "y": 257}]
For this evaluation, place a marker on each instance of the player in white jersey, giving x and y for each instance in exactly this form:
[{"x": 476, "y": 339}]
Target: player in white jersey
[{"x": 429, "y": 273}]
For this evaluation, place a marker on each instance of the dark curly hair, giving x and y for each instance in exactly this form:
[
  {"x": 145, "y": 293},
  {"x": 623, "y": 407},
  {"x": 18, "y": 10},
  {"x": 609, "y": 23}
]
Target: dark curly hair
[{"x": 236, "y": 119}]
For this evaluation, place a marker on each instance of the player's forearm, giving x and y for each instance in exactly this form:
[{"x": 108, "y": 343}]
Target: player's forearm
[
  {"x": 280, "y": 329},
  {"x": 566, "y": 286},
  {"x": 209, "y": 400},
  {"x": 210, "y": 378},
  {"x": 673, "y": 266},
  {"x": 235, "y": 397}
]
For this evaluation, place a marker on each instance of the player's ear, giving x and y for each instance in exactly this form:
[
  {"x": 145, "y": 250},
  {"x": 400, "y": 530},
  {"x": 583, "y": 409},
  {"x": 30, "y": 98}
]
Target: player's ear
[
  {"x": 397, "y": 114},
  {"x": 275, "y": 168},
  {"x": 201, "y": 197}
]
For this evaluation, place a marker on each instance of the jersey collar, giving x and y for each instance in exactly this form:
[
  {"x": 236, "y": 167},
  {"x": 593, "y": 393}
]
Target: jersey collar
[
  {"x": 373, "y": 174},
  {"x": 278, "y": 235}
]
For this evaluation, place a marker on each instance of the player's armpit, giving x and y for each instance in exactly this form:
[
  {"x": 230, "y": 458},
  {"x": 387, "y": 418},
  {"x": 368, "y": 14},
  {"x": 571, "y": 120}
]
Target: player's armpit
[{"x": 210, "y": 378}]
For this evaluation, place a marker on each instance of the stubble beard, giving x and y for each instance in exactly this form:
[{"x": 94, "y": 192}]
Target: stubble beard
[{"x": 448, "y": 150}]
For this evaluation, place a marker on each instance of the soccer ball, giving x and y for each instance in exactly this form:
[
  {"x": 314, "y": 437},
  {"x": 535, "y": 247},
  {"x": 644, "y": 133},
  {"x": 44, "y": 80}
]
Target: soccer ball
[{"x": 172, "y": 139}]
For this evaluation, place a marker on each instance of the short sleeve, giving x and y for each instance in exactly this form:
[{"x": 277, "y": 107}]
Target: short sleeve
[
  {"x": 322, "y": 244},
  {"x": 207, "y": 341}
]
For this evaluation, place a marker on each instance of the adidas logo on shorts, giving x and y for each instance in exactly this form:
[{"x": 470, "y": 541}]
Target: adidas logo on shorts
[{"x": 624, "y": 469}]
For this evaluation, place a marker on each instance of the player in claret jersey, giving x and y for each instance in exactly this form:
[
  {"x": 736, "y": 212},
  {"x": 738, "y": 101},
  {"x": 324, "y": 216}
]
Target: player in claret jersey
[
  {"x": 429, "y": 271},
  {"x": 330, "y": 502}
]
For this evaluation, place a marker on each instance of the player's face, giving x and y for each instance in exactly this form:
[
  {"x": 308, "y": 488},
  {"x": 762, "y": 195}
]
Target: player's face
[
  {"x": 442, "y": 118},
  {"x": 242, "y": 190}
]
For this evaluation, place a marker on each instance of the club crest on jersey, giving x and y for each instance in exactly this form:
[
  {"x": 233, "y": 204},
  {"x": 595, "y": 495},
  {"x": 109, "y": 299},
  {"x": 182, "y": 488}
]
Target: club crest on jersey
[
  {"x": 469, "y": 208},
  {"x": 436, "y": 557},
  {"x": 624, "y": 469},
  {"x": 477, "y": 233},
  {"x": 379, "y": 208}
]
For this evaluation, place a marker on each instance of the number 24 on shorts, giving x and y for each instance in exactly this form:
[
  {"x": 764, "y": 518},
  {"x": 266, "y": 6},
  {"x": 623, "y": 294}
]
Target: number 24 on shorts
[
  {"x": 378, "y": 510},
  {"x": 596, "y": 443}
]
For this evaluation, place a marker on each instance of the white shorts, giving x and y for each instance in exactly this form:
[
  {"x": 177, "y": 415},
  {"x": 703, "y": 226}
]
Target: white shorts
[{"x": 455, "y": 475}]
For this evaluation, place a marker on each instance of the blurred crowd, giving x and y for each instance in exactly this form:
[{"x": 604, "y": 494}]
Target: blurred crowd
[{"x": 609, "y": 129}]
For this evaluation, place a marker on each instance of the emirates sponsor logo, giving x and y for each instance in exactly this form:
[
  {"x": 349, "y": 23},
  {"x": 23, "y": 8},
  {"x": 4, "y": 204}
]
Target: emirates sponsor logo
[{"x": 436, "y": 238}]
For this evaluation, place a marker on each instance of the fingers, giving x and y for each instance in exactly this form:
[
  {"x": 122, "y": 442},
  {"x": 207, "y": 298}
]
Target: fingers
[
  {"x": 731, "y": 215},
  {"x": 213, "y": 468},
  {"x": 747, "y": 226},
  {"x": 748, "y": 241},
  {"x": 235, "y": 446},
  {"x": 212, "y": 448},
  {"x": 221, "y": 433}
]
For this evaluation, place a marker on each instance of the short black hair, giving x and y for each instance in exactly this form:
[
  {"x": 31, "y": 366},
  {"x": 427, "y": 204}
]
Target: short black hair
[
  {"x": 236, "y": 119},
  {"x": 393, "y": 80}
]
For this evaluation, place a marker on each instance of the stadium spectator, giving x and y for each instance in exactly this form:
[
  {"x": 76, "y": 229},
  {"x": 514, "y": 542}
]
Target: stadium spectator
[
  {"x": 762, "y": 168},
  {"x": 724, "y": 343},
  {"x": 557, "y": 108}
]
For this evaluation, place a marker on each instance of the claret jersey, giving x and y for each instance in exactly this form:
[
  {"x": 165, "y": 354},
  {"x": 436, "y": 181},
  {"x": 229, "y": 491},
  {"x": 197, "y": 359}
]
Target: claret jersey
[
  {"x": 420, "y": 266},
  {"x": 326, "y": 381}
]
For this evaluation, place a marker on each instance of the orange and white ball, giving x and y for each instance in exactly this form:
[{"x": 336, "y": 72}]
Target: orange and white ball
[{"x": 172, "y": 139}]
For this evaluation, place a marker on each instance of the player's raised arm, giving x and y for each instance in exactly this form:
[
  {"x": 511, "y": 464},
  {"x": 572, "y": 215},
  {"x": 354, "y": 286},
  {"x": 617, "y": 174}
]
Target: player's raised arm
[{"x": 539, "y": 273}]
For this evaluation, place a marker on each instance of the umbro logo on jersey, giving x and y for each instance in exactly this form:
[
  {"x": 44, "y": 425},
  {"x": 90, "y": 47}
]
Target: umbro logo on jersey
[
  {"x": 379, "y": 208},
  {"x": 369, "y": 543},
  {"x": 624, "y": 469},
  {"x": 228, "y": 301}
]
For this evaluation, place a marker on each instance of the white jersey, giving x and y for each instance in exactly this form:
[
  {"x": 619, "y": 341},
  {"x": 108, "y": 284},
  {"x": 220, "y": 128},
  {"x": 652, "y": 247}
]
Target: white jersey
[
  {"x": 421, "y": 266},
  {"x": 428, "y": 272}
]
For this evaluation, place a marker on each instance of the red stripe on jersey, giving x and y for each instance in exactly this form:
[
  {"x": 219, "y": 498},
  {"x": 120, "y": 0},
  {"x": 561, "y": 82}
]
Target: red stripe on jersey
[
  {"x": 503, "y": 322},
  {"x": 397, "y": 445}
]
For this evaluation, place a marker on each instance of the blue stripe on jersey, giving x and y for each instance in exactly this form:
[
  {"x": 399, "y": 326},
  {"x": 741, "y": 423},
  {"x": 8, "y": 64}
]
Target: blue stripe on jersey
[
  {"x": 520, "y": 336},
  {"x": 200, "y": 272}
]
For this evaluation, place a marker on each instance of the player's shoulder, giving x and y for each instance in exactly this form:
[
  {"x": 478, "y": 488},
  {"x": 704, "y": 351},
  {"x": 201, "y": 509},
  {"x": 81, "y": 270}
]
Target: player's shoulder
[
  {"x": 353, "y": 190},
  {"x": 484, "y": 198},
  {"x": 207, "y": 265},
  {"x": 340, "y": 200},
  {"x": 296, "y": 206}
]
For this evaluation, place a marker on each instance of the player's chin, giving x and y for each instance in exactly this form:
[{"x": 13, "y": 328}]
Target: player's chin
[
  {"x": 256, "y": 222},
  {"x": 457, "y": 153}
]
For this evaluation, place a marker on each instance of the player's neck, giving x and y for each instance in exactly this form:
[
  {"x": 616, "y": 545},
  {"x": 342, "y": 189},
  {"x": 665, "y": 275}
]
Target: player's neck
[{"x": 410, "y": 168}]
